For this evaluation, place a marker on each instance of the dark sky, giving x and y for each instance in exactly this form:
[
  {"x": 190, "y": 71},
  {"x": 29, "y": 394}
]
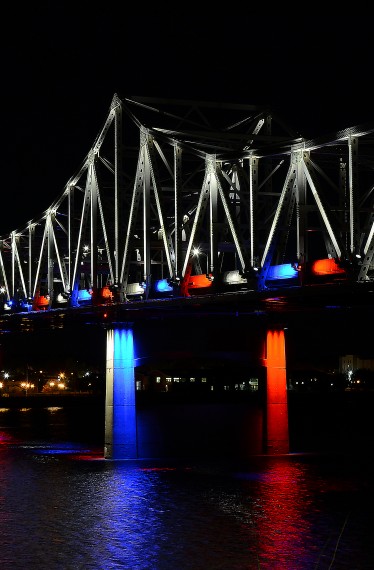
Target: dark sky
[{"x": 62, "y": 62}]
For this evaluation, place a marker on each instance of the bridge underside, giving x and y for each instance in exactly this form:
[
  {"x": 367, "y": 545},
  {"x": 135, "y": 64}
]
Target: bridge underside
[{"x": 201, "y": 336}]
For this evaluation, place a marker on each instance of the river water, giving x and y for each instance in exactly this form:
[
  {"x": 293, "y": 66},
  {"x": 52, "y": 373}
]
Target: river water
[{"x": 63, "y": 506}]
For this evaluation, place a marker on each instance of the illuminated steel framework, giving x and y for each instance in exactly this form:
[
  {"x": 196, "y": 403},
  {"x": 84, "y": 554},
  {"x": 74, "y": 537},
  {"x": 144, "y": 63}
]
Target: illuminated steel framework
[{"x": 166, "y": 181}]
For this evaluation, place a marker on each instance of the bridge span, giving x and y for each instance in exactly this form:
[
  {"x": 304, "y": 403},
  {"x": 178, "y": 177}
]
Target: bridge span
[
  {"x": 183, "y": 197},
  {"x": 198, "y": 216}
]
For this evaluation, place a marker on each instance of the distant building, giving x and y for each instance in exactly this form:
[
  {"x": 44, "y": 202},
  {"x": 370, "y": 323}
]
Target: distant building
[{"x": 351, "y": 362}]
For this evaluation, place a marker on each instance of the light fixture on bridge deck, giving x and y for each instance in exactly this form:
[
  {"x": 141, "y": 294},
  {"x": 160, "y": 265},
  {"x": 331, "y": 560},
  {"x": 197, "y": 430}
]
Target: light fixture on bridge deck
[
  {"x": 41, "y": 303},
  {"x": 326, "y": 267},
  {"x": 163, "y": 286},
  {"x": 233, "y": 278},
  {"x": 282, "y": 271},
  {"x": 61, "y": 298},
  {"x": 106, "y": 294},
  {"x": 84, "y": 296},
  {"x": 202, "y": 281},
  {"x": 134, "y": 289}
]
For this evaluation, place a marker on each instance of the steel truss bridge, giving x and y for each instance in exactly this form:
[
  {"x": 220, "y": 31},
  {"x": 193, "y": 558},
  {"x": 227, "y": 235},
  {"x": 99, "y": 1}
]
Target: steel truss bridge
[{"x": 181, "y": 197}]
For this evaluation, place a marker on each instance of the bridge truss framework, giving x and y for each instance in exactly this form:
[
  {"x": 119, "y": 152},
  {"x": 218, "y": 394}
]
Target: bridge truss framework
[{"x": 166, "y": 179}]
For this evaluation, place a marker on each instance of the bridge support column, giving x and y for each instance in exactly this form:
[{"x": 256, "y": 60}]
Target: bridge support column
[
  {"x": 120, "y": 405},
  {"x": 277, "y": 434}
]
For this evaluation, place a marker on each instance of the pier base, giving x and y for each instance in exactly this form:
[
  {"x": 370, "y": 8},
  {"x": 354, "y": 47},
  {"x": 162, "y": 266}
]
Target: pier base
[
  {"x": 120, "y": 406},
  {"x": 277, "y": 432}
]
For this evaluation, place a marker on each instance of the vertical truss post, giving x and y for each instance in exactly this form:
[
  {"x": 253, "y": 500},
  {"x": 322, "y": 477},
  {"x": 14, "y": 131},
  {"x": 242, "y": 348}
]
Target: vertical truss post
[
  {"x": 50, "y": 246},
  {"x": 14, "y": 247},
  {"x": 118, "y": 187},
  {"x": 31, "y": 231},
  {"x": 70, "y": 209},
  {"x": 93, "y": 226},
  {"x": 353, "y": 183},
  {"x": 213, "y": 214},
  {"x": 301, "y": 209},
  {"x": 178, "y": 221},
  {"x": 146, "y": 222},
  {"x": 253, "y": 199},
  {"x": 343, "y": 202}
]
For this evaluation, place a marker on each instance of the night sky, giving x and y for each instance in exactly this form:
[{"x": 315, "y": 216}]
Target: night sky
[{"x": 61, "y": 64}]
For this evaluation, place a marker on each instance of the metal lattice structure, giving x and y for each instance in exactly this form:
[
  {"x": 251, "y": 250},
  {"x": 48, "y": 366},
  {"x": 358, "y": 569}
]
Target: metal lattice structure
[{"x": 166, "y": 178}]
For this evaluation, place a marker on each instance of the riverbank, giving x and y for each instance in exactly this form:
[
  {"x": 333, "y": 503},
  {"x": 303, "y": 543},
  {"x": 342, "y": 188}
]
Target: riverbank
[{"x": 70, "y": 399}]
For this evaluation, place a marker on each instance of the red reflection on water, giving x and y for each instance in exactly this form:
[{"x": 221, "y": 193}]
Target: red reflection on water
[
  {"x": 89, "y": 456},
  {"x": 281, "y": 517},
  {"x": 276, "y": 391},
  {"x": 7, "y": 439}
]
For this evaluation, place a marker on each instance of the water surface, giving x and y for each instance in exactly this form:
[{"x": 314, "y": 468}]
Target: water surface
[{"x": 63, "y": 506}]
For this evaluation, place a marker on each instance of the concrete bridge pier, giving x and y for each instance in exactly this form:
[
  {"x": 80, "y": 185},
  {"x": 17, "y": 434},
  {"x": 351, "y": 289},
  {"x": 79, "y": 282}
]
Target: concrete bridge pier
[
  {"x": 120, "y": 405},
  {"x": 276, "y": 413},
  {"x": 121, "y": 441}
]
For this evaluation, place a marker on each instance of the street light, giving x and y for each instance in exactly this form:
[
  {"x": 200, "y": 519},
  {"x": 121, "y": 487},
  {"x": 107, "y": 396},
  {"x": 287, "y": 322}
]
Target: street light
[
  {"x": 196, "y": 252},
  {"x": 26, "y": 386}
]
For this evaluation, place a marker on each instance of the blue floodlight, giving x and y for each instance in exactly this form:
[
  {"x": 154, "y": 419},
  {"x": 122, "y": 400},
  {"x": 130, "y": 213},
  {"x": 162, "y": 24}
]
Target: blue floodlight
[
  {"x": 162, "y": 286},
  {"x": 283, "y": 271}
]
